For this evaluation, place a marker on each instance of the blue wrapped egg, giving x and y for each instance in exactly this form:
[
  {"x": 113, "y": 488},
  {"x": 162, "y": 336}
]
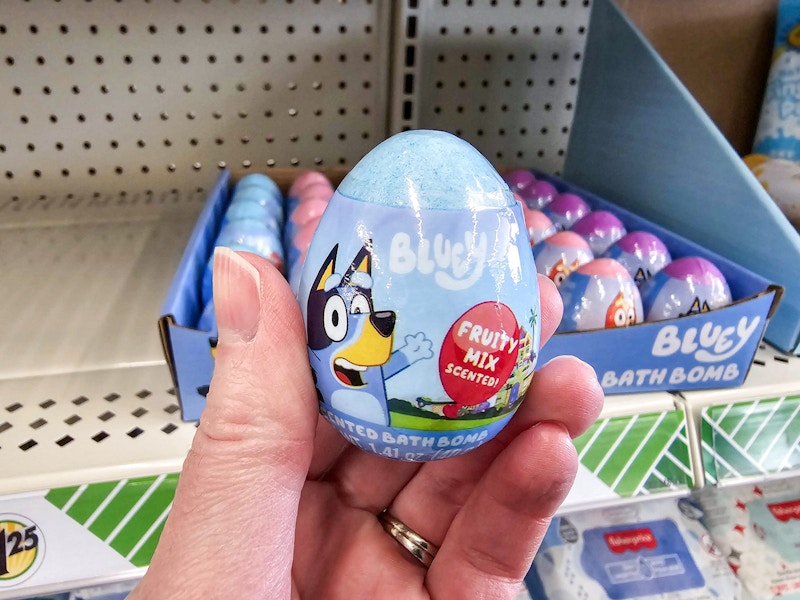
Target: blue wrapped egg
[
  {"x": 261, "y": 183},
  {"x": 420, "y": 300},
  {"x": 269, "y": 200},
  {"x": 253, "y": 236}
]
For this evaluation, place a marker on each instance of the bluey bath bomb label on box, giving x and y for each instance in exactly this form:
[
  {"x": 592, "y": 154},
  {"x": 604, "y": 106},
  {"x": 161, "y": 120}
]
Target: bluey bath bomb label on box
[{"x": 420, "y": 300}]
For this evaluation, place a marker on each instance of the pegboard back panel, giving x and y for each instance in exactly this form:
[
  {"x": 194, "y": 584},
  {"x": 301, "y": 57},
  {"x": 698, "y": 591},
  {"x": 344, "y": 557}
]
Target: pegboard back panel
[
  {"x": 108, "y": 96},
  {"x": 502, "y": 74}
]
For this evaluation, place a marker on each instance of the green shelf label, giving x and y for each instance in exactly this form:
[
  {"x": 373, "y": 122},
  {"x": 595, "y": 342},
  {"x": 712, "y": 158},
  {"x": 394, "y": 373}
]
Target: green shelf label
[
  {"x": 638, "y": 454},
  {"x": 751, "y": 438},
  {"x": 127, "y": 515}
]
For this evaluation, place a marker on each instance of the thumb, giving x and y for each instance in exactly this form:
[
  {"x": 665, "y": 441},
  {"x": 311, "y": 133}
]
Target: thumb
[{"x": 230, "y": 532}]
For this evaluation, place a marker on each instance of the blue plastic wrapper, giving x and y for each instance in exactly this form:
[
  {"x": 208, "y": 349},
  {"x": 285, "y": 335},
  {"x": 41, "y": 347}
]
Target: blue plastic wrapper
[{"x": 421, "y": 302}]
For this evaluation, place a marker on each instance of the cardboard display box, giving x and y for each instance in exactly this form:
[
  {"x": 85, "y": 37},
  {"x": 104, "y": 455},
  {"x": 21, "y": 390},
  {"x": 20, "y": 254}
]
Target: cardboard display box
[{"x": 706, "y": 350}]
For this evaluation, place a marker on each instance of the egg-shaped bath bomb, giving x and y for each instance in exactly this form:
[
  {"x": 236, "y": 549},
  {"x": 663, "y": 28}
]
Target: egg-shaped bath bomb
[
  {"x": 601, "y": 228},
  {"x": 420, "y": 300},
  {"x": 600, "y": 295},
  {"x": 686, "y": 286},
  {"x": 567, "y": 209},
  {"x": 642, "y": 253},
  {"x": 560, "y": 254}
]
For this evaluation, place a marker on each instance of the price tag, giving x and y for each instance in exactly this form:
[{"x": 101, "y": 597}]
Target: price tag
[{"x": 21, "y": 549}]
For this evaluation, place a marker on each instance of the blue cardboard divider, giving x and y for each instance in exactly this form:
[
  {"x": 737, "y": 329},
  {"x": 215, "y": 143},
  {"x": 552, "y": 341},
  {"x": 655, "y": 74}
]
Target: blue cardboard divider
[
  {"x": 640, "y": 140},
  {"x": 189, "y": 351}
]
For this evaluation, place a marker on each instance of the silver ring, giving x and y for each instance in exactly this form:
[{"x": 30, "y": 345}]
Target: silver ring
[{"x": 409, "y": 539}]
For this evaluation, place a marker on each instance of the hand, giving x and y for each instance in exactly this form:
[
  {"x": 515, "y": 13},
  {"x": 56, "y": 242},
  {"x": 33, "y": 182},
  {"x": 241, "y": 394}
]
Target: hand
[
  {"x": 417, "y": 347},
  {"x": 273, "y": 503}
]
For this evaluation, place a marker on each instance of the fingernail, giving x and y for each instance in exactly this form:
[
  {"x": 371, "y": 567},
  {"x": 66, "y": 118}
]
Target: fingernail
[{"x": 237, "y": 296}]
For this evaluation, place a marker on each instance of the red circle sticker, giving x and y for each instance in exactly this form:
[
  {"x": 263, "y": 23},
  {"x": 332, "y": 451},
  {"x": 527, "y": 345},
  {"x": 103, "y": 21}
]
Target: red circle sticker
[{"x": 479, "y": 353}]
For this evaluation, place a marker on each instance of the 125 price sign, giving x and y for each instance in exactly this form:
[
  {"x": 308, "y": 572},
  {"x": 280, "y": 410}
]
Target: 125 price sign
[{"x": 21, "y": 549}]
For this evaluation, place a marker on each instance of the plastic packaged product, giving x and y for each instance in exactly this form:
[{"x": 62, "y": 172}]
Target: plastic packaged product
[
  {"x": 255, "y": 237},
  {"x": 757, "y": 529},
  {"x": 539, "y": 194},
  {"x": 566, "y": 209},
  {"x": 269, "y": 199},
  {"x": 519, "y": 180},
  {"x": 600, "y": 295},
  {"x": 601, "y": 228},
  {"x": 781, "y": 179},
  {"x": 245, "y": 209},
  {"x": 641, "y": 253},
  {"x": 778, "y": 132},
  {"x": 420, "y": 299},
  {"x": 560, "y": 254},
  {"x": 654, "y": 550},
  {"x": 260, "y": 182},
  {"x": 307, "y": 185},
  {"x": 538, "y": 224},
  {"x": 686, "y": 286}
]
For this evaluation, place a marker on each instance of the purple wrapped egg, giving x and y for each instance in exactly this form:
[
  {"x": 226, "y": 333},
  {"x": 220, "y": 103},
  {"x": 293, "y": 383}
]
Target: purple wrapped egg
[
  {"x": 560, "y": 254},
  {"x": 642, "y": 253},
  {"x": 539, "y": 194},
  {"x": 601, "y": 229},
  {"x": 567, "y": 209},
  {"x": 600, "y": 295},
  {"x": 686, "y": 286},
  {"x": 519, "y": 179}
]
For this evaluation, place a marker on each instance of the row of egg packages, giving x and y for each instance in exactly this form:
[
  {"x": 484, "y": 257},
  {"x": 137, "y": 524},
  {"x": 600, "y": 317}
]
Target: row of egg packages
[
  {"x": 260, "y": 221},
  {"x": 608, "y": 276}
]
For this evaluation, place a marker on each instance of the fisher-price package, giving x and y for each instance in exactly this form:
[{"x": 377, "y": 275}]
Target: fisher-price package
[
  {"x": 757, "y": 528},
  {"x": 656, "y": 549}
]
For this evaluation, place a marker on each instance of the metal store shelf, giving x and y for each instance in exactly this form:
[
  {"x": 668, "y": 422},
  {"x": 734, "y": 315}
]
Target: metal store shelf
[{"x": 84, "y": 392}]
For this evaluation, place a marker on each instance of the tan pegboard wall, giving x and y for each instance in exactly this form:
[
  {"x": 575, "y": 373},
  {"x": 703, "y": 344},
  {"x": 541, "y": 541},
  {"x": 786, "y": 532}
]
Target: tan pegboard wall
[
  {"x": 502, "y": 74},
  {"x": 102, "y": 97},
  {"x": 137, "y": 98}
]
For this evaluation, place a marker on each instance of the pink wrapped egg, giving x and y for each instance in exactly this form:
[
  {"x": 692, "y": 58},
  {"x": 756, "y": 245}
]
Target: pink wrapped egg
[
  {"x": 600, "y": 295},
  {"x": 537, "y": 223},
  {"x": 560, "y": 254},
  {"x": 307, "y": 179}
]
